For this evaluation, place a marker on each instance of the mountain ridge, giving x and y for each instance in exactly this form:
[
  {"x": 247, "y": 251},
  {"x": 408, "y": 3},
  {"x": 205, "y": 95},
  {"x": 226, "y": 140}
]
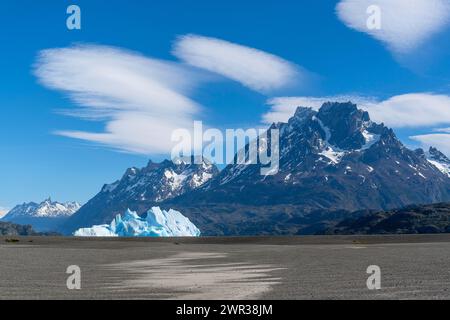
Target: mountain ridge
[
  {"x": 44, "y": 216},
  {"x": 332, "y": 160},
  {"x": 319, "y": 148},
  {"x": 141, "y": 189}
]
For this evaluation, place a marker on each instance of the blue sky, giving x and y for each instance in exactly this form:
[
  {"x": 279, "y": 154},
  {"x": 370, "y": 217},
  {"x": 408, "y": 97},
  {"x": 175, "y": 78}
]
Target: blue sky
[{"x": 312, "y": 48}]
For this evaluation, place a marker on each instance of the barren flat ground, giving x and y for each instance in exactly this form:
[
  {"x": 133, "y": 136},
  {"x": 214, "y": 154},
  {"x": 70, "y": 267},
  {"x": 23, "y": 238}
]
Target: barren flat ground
[{"x": 412, "y": 267}]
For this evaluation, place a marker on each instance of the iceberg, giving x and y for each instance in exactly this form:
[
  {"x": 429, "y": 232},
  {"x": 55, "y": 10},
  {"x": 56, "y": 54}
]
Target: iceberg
[{"x": 157, "y": 223}]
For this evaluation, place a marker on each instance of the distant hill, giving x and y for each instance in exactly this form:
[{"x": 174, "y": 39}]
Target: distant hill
[
  {"x": 11, "y": 229},
  {"x": 432, "y": 218}
]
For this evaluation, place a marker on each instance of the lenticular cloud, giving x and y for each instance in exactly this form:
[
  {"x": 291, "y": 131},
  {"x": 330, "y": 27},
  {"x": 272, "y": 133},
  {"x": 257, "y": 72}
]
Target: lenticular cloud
[
  {"x": 255, "y": 69},
  {"x": 136, "y": 96},
  {"x": 405, "y": 24}
]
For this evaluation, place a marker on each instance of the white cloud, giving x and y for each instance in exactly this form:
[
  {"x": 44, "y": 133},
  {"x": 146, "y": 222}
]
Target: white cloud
[
  {"x": 441, "y": 141},
  {"x": 141, "y": 99},
  {"x": 136, "y": 132},
  {"x": 442, "y": 130},
  {"x": 412, "y": 110},
  {"x": 255, "y": 69},
  {"x": 408, "y": 110},
  {"x": 405, "y": 24}
]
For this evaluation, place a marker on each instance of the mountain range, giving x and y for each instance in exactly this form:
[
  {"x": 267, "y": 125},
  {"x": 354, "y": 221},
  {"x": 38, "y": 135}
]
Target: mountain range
[
  {"x": 138, "y": 188},
  {"x": 332, "y": 161},
  {"x": 45, "y": 216}
]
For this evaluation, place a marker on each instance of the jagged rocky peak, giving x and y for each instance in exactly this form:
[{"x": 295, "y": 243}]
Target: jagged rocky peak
[
  {"x": 346, "y": 125},
  {"x": 332, "y": 113},
  {"x": 302, "y": 114},
  {"x": 336, "y": 127},
  {"x": 131, "y": 172},
  {"x": 164, "y": 180},
  {"x": 45, "y": 209},
  {"x": 437, "y": 155},
  {"x": 439, "y": 160},
  {"x": 420, "y": 153}
]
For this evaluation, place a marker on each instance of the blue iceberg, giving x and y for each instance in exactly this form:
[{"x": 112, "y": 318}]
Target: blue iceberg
[{"x": 157, "y": 223}]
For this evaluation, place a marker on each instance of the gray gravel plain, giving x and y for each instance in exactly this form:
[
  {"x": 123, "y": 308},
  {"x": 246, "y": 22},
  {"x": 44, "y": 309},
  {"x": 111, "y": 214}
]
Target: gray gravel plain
[{"x": 334, "y": 267}]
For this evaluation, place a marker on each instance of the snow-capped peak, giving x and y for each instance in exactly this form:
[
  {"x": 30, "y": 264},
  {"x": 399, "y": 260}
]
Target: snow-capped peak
[
  {"x": 439, "y": 160},
  {"x": 161, "y": 181},
  {"x": 45, "y": 209}
]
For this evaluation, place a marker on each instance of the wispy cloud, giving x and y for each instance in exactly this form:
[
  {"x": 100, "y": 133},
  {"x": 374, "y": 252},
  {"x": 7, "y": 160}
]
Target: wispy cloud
[
  {"x": 141, "y": 99},
  {"x": 412, "y": 110},
  {"x": 408, "y": 110},
  {"x": 442, "y": 130},
  {"x": 255, "y": 69},
  {"x": 405, "y": 24}
]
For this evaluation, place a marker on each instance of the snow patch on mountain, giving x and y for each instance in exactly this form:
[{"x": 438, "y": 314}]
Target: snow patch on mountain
[
  {"x": 159, "y": 182},
  {"x": 333, "y": 155},
  {"x": 370, "y": 139},
  {"x": 157, "y": 223},
  {"x": 443, "y": 167},
  {"x": 331, "y": 152}
]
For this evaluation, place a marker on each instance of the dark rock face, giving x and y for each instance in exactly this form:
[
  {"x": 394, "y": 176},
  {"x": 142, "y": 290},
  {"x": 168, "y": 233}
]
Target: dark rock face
[
  {"x": 332, "y": 160},
  {"x": 344, "y": 123},
  {"x": 139, "y": 190},
  {"x": 433, "y": 218},
  {"x": 435, "y": 154}
]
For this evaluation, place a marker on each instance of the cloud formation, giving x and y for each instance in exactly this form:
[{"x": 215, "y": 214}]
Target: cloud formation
[
  {"x": 255, "y": 69},
  {"x": 407, "y": 110},
  {"x": 141, "y": 99},
  {"x": 412, "y": 110},
  {"x": 405, "y": 24},
  {"x": 442, "y": 130}
]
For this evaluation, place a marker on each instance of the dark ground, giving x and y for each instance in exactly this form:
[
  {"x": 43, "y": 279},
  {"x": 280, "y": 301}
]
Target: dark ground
[{"x": 316, "y": 267}]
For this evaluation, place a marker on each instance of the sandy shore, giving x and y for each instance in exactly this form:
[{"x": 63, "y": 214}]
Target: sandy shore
[{"x": 412, "y": 267}]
